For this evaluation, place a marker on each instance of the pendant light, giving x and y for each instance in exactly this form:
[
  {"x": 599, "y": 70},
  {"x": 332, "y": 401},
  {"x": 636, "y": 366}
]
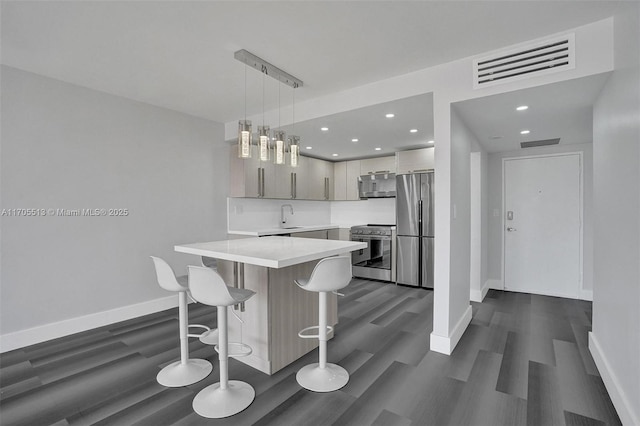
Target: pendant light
[
  {"x": 264, "y": 144},
  {"x": 264, "y": 137},
  {"x": 294, "y": 141},
  {"x": 279, "y": 148},
  {"x": 244, "y": 127}
]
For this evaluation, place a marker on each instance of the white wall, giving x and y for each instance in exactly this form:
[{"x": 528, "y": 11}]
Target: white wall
[
  {"x": 478, "y": 226},
  {"x": 495, "y": 213},
  {"x": 246, "y": 214},
  {"x": 68, "y": 147},
  {"x": 615, "y": 340},
  {"x": 253, "y": 213},
  {"x": 374, "y": 210}
]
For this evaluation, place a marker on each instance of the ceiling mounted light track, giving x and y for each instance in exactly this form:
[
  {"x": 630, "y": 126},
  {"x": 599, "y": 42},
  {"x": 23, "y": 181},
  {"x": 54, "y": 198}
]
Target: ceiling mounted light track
[{"x": 265, "y": 67}]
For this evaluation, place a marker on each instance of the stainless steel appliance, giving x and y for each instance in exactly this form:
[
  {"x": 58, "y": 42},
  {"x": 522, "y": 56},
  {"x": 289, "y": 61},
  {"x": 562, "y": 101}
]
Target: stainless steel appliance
[
  {"x": 377, "y": 185},
  {"x": 376, "y": 261},
  {"x": 415, "y": 228}
]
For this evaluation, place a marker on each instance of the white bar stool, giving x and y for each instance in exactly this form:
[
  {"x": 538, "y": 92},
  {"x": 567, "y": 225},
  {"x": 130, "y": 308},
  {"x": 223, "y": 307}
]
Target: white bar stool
[
  {"x": 227, "y": 397},
  {"x": 186, "y": 371},
  {"x": 329, "y": 275},
  {"x": 209, "y": 337}
]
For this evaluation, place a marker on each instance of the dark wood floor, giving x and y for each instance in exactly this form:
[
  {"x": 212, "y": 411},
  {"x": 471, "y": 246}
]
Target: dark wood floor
[{"x": 522, "y": 361}]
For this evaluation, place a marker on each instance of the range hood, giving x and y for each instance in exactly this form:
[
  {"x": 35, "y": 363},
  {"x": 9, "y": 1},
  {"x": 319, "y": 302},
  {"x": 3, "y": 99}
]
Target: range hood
[{"x": 377, "y": 185}]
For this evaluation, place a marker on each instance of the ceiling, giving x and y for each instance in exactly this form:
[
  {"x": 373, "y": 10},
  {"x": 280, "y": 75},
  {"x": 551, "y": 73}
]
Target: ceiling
[
  {"x": 561, "y": 110},
  {"x": 179, "y": 55}
]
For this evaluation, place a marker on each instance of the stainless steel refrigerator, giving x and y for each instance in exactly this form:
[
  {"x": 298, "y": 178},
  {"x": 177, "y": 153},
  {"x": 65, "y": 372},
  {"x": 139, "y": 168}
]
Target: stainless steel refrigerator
[{"x": 415, "y": 229}]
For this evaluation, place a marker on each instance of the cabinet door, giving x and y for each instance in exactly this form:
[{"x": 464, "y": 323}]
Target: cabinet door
[
  {"x": 352, "y": 174},
  {"x": 268, "y": 179},
  {"x": 321, "y": 235},
  {"x": 283, "y": 182},
  {"x": 245, "y": 179},
  {"x": 340, "y": 180},
  {"x": 319, "y": 187},
  {"x": 301, "y": 179},
  {"x": 415, "y": 160},
  {"x": 379, "y": 164}
]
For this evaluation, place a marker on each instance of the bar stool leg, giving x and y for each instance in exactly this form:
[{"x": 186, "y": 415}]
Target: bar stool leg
[
  {"x": 322, "y": 376},
  {"x": 227, "y": 397},
  {"x": 186, "y": 371}
]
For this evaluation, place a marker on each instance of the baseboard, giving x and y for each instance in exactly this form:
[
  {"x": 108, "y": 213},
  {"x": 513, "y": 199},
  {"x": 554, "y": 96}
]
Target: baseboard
[
  {"x": 31, "y": 336},
  {"x": 446, "y": 344},
  {"x": 620, "y": 401},
  {"x": 586, "y": 295},
  {"x": 478, "y": 295},
  {"x": 495, "y": 284}
]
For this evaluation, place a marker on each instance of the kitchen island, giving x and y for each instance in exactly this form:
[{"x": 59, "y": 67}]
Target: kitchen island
[{"x": 279, "y": 310}]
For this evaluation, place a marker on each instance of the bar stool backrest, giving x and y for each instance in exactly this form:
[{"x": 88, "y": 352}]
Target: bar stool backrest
[
  {"x": 330, "y": 274},
  {"x": 166, "y": 277},
  {"x": 208, "y": 287}
]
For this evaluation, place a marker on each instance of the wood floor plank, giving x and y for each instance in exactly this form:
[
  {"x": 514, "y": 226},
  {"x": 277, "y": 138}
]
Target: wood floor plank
[
  {"x": 544, "y": 404},
  {"x": 514, "y": 370},
  {"x": 581, "y": 392},
  {"x": 524, "y": 359},
  {"x": 387, "y": 418}
]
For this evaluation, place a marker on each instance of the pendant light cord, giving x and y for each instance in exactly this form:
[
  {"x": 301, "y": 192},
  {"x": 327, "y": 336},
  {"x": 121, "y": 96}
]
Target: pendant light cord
[{"x": 245, "y": 93}]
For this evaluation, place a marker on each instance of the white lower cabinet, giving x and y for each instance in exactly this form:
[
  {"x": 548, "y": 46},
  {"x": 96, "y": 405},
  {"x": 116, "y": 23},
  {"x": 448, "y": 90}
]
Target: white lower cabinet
[{"x": 322, "y": 234}]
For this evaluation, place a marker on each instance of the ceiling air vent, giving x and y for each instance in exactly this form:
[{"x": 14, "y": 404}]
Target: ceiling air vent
[
  {"x": 532, "y": 59},
  {"x": 543, "y": 142}
]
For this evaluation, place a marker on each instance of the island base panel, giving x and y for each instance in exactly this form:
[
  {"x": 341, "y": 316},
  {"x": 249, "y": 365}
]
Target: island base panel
[{"x": 274, "y": 316}]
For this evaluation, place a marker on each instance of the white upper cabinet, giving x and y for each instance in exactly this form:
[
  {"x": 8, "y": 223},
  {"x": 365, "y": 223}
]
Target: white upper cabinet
[
  {"x": 346, "y": 180},
  {"x": 340, "y": 181},
  {"x": 378, "y": 165},
  {"x": 250, "y": 177},
  {"x": 320, "y": 179},
  {"x": 415, "y": 160}
]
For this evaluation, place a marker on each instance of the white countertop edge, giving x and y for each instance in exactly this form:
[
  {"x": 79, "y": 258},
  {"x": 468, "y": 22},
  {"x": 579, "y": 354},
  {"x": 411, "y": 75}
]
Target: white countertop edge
[
  {"x": 231, "y": 257},
  {"x": 279, "y": 231},
  {"x": 273, "y": 263}
]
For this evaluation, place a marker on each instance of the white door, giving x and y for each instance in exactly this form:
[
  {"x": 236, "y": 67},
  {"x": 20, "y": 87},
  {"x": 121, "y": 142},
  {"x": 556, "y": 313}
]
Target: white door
[{"x": 542, "y": 236}]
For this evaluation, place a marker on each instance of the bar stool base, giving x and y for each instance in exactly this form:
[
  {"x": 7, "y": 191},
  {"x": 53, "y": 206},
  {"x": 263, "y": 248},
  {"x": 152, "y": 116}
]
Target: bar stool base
[
  {"x": 210, "y": 337},
  {"x": 215, "y": 403},
  {"x": 328, "y": 379},
  {"x": 176, "y": 374}
]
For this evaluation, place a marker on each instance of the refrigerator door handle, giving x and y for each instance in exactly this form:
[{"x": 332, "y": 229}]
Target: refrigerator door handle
[{"x": 420, "y": 214}]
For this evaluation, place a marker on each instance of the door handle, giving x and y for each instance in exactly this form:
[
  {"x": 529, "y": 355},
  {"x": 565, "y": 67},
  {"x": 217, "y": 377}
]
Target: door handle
[{"x": 511, "y": 229}]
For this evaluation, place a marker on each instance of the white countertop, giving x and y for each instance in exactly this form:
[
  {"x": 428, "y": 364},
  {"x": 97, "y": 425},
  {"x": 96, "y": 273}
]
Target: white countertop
[
  {"x": 272, "y": 252},
  {"x": 279, "y": 231}
]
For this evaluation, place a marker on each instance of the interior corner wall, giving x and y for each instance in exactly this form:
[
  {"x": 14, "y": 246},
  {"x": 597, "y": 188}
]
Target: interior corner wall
[
  {"x": 615, "y": 339},
  {"x": 461, "y": 142},
  {"x": 68, "y": 147},
  {"x": 495, "y": 213}
]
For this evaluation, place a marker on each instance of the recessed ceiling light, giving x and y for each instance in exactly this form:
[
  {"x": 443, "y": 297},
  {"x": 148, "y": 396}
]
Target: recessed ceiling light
[
  {"x": 414, "y": 130},
  {"x": 354, "y": 140},
  {"x": 525, "y": 132},
  {"x": 324, "y": 129},
  {"x": 429, "y": 141},
  {"x": 309, "y": 147},
  {"x": 334, "y": 155},
  {"x": 522, "y": 108},
  {"x": 390, "y": 115},
  {"x": 378, "y": 149}
]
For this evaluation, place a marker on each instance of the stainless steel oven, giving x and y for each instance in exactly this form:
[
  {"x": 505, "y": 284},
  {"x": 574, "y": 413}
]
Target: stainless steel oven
[{"x": 375, "y": 261}]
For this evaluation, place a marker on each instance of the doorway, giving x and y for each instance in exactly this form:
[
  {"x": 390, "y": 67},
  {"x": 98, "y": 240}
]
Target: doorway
[{"x": 542, "y": 232}]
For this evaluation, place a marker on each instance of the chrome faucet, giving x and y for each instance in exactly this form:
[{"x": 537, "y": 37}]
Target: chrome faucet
[{"x": 283, "y": 220}]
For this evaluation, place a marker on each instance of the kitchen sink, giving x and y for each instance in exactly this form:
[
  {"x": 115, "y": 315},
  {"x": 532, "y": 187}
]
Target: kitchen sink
[{"x": 291, "y": 227}]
